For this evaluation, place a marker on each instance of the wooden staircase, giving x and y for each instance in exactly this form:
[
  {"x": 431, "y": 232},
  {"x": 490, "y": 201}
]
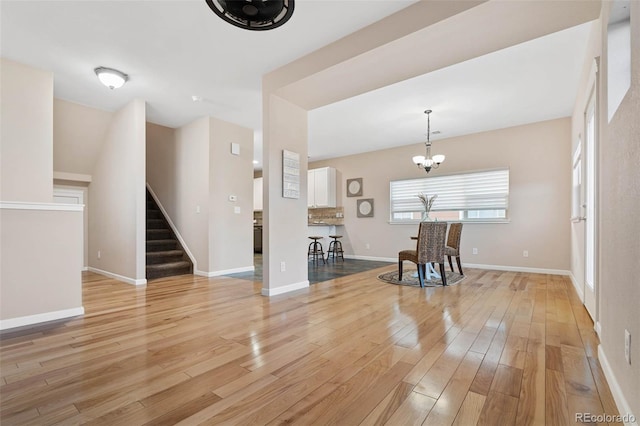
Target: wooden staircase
[{"x": 165, "y": 255}]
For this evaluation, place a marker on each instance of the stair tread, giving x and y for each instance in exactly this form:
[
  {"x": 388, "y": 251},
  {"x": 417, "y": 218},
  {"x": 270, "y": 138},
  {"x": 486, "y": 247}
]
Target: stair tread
[
  {"x": 170, "y": 265},
  {"x": 165, "y": 256},
  {"x": 165, "y": 253}
]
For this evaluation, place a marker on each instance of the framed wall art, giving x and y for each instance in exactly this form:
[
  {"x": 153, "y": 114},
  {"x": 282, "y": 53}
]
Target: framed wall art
[
  {"x": 365, "y": 207},
  {"x": 290, "y": 174},
  {"x": 354, "y": 187}
]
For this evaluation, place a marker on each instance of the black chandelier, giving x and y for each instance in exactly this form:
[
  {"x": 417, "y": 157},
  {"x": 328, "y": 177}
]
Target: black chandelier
[{"x": 255, "y": 15}]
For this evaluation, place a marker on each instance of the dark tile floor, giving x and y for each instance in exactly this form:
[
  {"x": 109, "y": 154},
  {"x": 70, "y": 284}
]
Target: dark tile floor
[{"x": 319, "y": 272}]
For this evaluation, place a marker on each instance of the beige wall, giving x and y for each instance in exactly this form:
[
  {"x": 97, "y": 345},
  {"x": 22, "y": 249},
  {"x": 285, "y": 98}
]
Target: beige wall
[
  {"x": 161, "y": 165},
  {"x": 284, "y": 219},
  {"x": 191, "y": 157},
  {"x": 537, "y": 157},
  {"x": 117, "y": 198},
  {"x": 230, "y": 233},
  {"x": 41, "y": 263},
  {"x": 619, "y": 229},
  {"x": 78, "y": 133},
  {"x": 26, "y": 120},
  {"x": 41, "y": 245}
]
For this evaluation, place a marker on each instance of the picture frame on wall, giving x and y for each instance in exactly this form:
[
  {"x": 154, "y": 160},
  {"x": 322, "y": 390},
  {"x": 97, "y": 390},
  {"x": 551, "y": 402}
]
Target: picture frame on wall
[
  {"x": 365, "y": 207},
  {"x": 290, "y": 174},
  {"x": 354, "y": 187}
]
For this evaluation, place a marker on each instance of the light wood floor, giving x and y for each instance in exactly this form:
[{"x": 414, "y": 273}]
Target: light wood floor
[{"x": 499, "y": 348}]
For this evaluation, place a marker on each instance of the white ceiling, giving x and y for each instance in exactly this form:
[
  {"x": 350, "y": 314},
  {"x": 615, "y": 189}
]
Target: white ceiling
[
  {"x": 530, "y": 82},
  {"x": 173, "y": 50}
]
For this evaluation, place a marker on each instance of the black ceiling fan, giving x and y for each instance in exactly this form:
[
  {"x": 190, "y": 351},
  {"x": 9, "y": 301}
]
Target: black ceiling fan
[{"x": 256, "y": 15}]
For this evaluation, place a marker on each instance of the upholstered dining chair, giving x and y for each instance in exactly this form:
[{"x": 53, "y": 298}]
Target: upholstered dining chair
[
  {"x": 452, "y": 249},
  {"x": 429, "y": 249}
]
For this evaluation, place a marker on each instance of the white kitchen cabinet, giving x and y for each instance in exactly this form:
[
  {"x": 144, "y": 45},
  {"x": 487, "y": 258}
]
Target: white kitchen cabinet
[
  {"x": 257, "y": 194},
  {"x": 321, "y": 187}
]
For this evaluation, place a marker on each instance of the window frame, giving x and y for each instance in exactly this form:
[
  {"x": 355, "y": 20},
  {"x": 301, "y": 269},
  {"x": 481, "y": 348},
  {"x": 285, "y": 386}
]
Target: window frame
[{"x": 463, "y": 214}]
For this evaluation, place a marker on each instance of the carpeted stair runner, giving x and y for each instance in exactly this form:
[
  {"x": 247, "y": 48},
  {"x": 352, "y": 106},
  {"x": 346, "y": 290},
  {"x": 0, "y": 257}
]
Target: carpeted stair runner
[{"x": 165, "y": 256}]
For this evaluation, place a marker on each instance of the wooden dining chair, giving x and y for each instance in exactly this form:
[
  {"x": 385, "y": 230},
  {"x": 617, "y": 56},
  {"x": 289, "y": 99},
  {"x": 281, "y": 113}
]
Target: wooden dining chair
[
  {"x": 452, "y": 249},
  {"x": 429, "y": 249}
]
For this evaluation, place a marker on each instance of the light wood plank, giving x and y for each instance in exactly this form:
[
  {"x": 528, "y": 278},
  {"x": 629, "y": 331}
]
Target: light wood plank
[
  {"x": 385, "y": 409},
  {"x": 498, "y": 409},
  {"x": 502, "y": 346},
  {"x": 446, "y": 408},
  {"x": 470, "y": 411},
  {"x": 531, "y": 407},
  {"x": 556, "y": 409},
  {"x": 507, "y": 380},
  {"x": 413, "y": 410}
]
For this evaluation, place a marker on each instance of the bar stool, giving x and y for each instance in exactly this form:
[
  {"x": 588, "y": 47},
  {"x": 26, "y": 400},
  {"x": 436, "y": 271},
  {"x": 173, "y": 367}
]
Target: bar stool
[
  {"x": 315, "y": 249},
  {"x": 335, "y": 248}
]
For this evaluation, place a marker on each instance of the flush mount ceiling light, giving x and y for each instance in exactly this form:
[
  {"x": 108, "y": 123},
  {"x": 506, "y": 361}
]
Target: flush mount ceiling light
[
  {"x": 110, "y": 77},
  {"x": 428, "y": 162},
  {"x": 256, "y": 15}
]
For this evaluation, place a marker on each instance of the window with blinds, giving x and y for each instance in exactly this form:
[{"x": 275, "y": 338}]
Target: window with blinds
[{"x": 480, "y": 196}]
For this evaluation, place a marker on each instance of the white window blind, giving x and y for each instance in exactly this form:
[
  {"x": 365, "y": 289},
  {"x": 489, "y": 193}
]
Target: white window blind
[{"x": 486, "y": 190}]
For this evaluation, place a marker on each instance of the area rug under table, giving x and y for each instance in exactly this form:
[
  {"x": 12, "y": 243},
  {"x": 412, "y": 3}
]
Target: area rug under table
[{"x": 410, "y": 278}]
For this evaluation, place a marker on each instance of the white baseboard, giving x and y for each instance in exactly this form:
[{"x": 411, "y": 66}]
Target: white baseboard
[
  {"x": 471, "y": 265},
  {"x": 119, "y": 277},
  {"x": 285, "y": 288},
  {"x": 376, "y": 259},
  {"x": 517, "y": 269},
  {"x": 577, "y": 286},
  {"x": 598, "y": 329},
  {"x": 224, "y": 271},
  {"x": 621, "y": 402},
  {"x": 85, "y": 268},
  {"x": 40, "y": 318},
  {"x": 20, "y": 205}
]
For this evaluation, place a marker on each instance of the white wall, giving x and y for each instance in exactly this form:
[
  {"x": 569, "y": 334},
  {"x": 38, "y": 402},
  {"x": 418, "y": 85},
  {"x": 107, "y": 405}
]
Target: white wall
[
  {"x": 26, "y": 151},
  {"x": 117, "y": 198},
  {"x": 536, "y": 155}
]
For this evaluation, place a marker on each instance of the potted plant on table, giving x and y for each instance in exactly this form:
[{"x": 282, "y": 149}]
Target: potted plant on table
[{"x": 427, "y": 202}]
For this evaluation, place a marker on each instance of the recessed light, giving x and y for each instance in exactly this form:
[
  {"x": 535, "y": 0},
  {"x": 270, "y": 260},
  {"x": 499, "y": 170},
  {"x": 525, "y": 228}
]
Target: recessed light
[
  {"x": 196, "y": 98},
  {"x": 256, "y": 162}
]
